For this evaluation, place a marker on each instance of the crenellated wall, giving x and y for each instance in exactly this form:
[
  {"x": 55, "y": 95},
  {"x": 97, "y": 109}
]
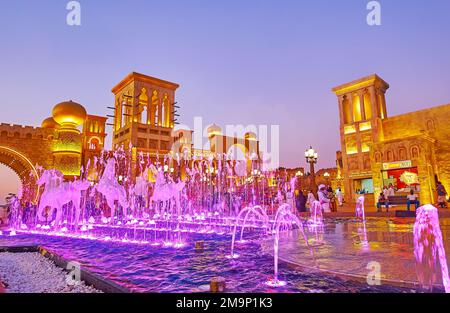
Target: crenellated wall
[{"x": 35, "y": 143}]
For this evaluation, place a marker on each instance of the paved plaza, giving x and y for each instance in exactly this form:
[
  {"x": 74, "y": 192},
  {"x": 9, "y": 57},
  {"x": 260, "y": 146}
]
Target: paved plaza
[{"x": 346, "y": 247}]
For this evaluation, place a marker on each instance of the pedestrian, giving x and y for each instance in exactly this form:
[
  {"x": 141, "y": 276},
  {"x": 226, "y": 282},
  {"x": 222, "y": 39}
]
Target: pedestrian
[
  {"x": 310, "y": 200},
  {"x": 442, "y": 193},
  {"x": 301, "y": 201},
  {"x": 340, "y": 197},
  {"x": 290, "y": 199},
  {"x": 322, "y": 194}
]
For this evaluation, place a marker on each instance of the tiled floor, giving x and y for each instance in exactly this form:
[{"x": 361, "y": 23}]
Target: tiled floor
[{"x": 346, "y": 247}]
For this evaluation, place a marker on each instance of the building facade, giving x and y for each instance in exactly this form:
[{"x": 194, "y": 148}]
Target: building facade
[
  {"x": 56, "y": 144},
  {"x": 410, "y": 150}
]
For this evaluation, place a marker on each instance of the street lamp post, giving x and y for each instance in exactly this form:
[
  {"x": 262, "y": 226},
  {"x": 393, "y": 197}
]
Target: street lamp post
[
  {"x": 311, "y": 158},
  {"x": 299, "y": 175}
]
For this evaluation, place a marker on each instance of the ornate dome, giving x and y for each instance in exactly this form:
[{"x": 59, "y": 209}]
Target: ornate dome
[
  {"x": 49, "y": 122},
  {"x": 250, "y": 136},
  {"x": 69, "y": 112},
  {"x": 214, "y": 130}
]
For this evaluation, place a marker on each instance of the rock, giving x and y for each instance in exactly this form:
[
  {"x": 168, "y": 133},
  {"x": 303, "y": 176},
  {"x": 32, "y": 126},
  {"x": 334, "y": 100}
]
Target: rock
[{"x": 31, "y": 272}]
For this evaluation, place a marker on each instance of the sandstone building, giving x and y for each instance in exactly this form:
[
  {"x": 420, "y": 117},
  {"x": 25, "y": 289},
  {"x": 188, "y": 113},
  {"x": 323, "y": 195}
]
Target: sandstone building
[{"x": 410, "y": 150}]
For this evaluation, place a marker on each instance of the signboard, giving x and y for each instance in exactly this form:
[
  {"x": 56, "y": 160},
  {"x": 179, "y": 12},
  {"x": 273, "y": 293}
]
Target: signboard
[
  {"x": 409, "y": 178},
  {"x": 397, "y": 165}
]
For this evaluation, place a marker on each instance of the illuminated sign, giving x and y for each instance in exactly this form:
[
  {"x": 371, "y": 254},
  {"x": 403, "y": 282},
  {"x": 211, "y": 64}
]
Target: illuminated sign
[
  {"x": 409, "y": 178},
  {"x": 397, "y": 165}
]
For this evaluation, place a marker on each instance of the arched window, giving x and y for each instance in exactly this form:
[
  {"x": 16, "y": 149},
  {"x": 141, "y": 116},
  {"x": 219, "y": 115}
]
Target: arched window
[
  {"x": 367, "y": 105},
  {"x": 347, "y": 111},
  {"x": 166, "y": 111},
  {"x": 4, "y": 133},
  {"x": 402, "y": 154},
  {"x": 377, "y": 156},
  {"x": 94, "y": 144},
  {"x": 356, "y": 108},
  {"x": 143, "y": 106},
  {"x": 430, "y": 125},
  {"x": 390, "y": 156},
  {"x": 414, "y": 152},
  {"x": 155, "y": 108},
  {"x": 163, "y": 114}
]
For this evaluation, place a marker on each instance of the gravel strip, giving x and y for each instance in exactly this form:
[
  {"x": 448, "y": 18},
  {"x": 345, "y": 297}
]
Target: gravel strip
[{"x": 31, "y": 272}]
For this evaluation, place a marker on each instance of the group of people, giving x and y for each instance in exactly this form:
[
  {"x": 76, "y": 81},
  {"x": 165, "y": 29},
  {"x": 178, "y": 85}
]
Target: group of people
[
  {"x": 302, "y": 200},
  {"x": 383, "y": 198},
  {"x": 412, "y": 198}
]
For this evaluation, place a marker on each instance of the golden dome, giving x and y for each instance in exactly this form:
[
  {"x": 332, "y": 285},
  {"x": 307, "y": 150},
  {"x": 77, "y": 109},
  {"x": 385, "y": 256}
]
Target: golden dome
[
  {"x": 49, "y": 122},
  {"x": 69, "y": 112},
  {"x": 214, "y": 130},
  {"x": 250, "y": 136}
]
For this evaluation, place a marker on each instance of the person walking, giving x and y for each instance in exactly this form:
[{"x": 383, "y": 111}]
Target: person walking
[
  {"x": 340, "y": 197},
  {"x": 310, "y": 200},
  {"x": 323, "y": 198},
  {"x": 300, "y": 201},
  {"x": 290, "y": 199},
  {"x": 442, "y": 193}
]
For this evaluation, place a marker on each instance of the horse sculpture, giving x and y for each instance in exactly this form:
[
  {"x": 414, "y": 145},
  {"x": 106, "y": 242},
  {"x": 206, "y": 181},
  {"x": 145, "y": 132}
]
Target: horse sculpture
[
  {"x": 140, "y": 191},
  {"x": 110, "y": 188},
  {"x": 58, "y": 193},
  {"x": 166, "y": 191}
]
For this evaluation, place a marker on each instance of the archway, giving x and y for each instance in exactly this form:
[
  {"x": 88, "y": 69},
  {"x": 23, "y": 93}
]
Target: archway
[
  {"x": 237, "y": 152},
  {"x": 9, "y": 182},
  {"x": 24, "y": 169}
]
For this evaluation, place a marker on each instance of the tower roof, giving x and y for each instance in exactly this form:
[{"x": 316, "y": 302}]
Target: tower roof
[
  {"x": 133, "y": 76},
  {"x": 361, "y": 83}
]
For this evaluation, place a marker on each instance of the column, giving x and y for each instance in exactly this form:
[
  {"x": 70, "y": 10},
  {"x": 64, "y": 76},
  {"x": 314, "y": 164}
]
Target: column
[
  {"x": 341, "y": 110},
  {"x": 160, "y": 117},
  {"x": 350, "y": 104},
  {"x": 118, "y": 113},
  {"x": 374, "y": 102},
  {"x": 361, "y": 105},
  {"x": 383, "y": 100}
]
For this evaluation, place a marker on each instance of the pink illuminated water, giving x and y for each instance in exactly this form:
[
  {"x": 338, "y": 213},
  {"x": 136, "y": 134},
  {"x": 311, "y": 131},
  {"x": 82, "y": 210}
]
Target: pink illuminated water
[{"x": 429, "y": 248}]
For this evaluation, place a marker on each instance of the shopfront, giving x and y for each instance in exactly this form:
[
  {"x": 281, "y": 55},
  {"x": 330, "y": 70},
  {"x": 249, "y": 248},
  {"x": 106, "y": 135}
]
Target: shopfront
[{"x": 402, "y": 175}]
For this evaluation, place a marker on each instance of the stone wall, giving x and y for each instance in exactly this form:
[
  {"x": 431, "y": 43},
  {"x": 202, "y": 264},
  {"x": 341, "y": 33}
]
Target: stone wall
[
  {"x": 34, "y": 143},
  {"x": 433, "y": 124}
]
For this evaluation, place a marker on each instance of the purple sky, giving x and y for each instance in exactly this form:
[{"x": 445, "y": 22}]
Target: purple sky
[{"x": 237, "y": 61}]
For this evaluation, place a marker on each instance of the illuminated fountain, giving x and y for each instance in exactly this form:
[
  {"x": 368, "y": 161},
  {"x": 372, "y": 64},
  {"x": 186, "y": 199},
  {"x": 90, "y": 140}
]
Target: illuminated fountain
[
  {"x": 316, "y": 218},
  {"x": 284, "y": 221},
  {"x": 429, "y": 247},
  {"x": 158, "y": 208},
  {"x": 258, "y": 214},
  {"x": 360, "y": 213}
]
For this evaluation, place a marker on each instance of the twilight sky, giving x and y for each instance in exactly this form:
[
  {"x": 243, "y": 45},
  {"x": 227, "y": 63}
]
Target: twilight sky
[{"x": 237, "y": 61}]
